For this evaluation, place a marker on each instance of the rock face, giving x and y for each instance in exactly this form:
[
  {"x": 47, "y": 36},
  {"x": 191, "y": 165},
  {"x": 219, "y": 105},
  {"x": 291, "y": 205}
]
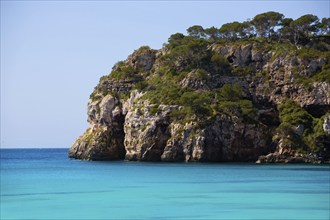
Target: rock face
[
  {"x": 104, "y": 139},
  {"x": 126, "y": 124}
]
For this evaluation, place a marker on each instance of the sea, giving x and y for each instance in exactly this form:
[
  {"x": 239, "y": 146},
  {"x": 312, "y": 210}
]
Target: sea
[{"x": 46, "y": 184}]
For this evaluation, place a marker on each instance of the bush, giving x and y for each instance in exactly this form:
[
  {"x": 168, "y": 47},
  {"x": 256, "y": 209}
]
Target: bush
[
  {"x": 124, "y": 72},
  {"x": 308, "y": 53},
  {"x": 293, "y": 114},
  {"x": 324, "y": 75},
  {"x": 249, "y": 112},
  {"x": 313, "y": 138},
  {"x": 241, "y": 108},
  {"x": 243, "y": 71},
  {"x": 199, "y": 102},
  {"x": 230, "y": 92},
  {"x": 141, "y": 86},
  {"x": 220, "y": 64},
  {"x": 187, "y": 56},
  {"x": 202, "y": 74}
]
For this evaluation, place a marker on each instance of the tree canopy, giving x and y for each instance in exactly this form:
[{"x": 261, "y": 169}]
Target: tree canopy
[
  {"x": 271, "y": 25},
  {"x": 266, "y": 23}
]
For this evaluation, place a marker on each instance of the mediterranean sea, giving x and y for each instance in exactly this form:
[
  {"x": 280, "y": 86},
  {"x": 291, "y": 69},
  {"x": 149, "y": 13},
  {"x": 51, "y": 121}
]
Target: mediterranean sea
[{"x": 46, "y": 184}]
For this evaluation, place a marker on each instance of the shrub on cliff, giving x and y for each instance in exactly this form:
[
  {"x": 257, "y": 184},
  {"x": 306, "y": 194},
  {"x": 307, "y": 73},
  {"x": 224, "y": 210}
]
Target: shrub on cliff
[
  {"x": 303, "y": 130},
  {"x": 123, "y": 71},
  {"x": 293, "y": 114},
  {"x": 187, "y": 56}
]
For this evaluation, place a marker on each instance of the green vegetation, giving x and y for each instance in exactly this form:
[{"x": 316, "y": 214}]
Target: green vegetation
[
  {"x": 323, "y": 75},
  {"x": 195, "y": 72},
  {"x": 154, "y": 109},
  {"x": 234, "y": 30},
  {"x": 203, "y": 104},
  {"x": 292, "y": 116},
  {"x": 192, "y": 55},
  {"x": 266, "y": 23},
  {"x": 141, "y": 86},
  {"x": 124, "y": 71},
  {"x": 271, "y": 25},
  {"x": 269, "y": 31},
  {"x": 311, "y": 53}
]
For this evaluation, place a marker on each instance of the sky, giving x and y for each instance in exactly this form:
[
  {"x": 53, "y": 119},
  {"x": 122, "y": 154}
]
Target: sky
[{"x": 54, "y": 52}]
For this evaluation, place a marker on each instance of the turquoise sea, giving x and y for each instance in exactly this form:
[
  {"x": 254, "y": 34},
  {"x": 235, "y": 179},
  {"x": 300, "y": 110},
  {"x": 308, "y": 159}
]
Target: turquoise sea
[{"x": 46, "y": 184}]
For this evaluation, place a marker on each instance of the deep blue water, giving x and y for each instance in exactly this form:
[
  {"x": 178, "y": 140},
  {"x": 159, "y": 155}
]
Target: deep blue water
[{"x": 46, "y": 184}]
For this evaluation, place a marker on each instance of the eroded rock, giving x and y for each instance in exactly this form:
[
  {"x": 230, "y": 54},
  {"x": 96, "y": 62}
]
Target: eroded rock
[{"x": 135, "y": 129}]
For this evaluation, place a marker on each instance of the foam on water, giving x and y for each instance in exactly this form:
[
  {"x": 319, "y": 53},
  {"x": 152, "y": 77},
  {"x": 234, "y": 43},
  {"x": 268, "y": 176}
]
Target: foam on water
[{"x": 46, "y": 184}]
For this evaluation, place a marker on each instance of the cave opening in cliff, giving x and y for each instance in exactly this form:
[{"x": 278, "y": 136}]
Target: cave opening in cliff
[{"x": 317, "y": 111}]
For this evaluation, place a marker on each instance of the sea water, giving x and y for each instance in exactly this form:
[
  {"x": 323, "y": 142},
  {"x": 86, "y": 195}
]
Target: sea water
[{"x": 46, "y": 184}]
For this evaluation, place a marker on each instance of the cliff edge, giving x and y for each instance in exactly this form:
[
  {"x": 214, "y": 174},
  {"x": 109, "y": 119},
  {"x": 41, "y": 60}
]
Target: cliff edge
[{"x": 200, "y": 99}]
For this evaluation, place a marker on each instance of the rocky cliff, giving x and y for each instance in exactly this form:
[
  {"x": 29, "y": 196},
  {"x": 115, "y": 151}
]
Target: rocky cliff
[{"x": 213, "y": 102}]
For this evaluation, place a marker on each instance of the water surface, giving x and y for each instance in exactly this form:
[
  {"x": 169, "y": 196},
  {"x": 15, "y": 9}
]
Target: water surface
[{"x": 46, "y": 184}]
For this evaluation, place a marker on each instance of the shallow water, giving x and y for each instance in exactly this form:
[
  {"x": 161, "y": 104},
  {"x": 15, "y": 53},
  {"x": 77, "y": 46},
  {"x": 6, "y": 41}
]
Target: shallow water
[{"x": 46, "y": 184}]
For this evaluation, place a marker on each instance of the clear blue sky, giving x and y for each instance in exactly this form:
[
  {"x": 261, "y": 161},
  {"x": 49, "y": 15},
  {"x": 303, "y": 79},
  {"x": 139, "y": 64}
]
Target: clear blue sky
[{"x": 54, "y": 52}]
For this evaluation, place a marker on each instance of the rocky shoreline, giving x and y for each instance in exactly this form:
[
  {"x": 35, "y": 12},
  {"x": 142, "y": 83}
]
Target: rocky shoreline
[{"x": 126, "y": 124}]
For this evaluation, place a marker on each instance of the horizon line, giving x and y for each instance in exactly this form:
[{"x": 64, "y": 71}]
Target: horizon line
[{"x": 34, "y": 147}]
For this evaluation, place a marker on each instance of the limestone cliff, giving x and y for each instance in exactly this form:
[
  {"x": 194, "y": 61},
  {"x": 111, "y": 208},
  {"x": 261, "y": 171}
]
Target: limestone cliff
[{"x": 214, "y": 102}]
